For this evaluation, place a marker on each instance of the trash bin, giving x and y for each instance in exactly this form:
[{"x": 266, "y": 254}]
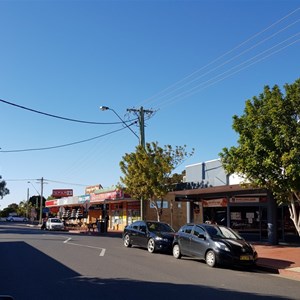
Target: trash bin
[{"x": 101, "y": 226}]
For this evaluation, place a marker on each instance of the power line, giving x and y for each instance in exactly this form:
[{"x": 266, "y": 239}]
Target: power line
[
  {"x": 180, "y": 84},
  {"x": 65, "y": 145},
  {"x": 255, "y": 59},
  {"x": 59, "y": 117},
  {"x": 48, "y": 180},
  {"x": 68, "y": 183}
]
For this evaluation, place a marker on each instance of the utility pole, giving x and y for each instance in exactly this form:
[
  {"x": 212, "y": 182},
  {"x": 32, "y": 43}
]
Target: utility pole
[
  {"x": 41, "y": 201},
  {"x": 27, "y": 206},
  {"x": 141, "y": 117}
]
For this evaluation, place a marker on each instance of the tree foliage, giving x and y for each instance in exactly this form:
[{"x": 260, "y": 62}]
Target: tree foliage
[
  {"x": 3, "y": 189},
  {"x": 147, "y": 171},
  {"x": 268, "y": 151}
]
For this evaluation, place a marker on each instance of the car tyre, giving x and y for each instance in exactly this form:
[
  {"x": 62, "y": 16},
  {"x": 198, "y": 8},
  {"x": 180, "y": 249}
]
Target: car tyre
[
  {"x": 176, "y": 251},
  {"x": 210, "y": 258},
  {"x": 151, "y": 246},
  {"x": 127, "y": 241}
]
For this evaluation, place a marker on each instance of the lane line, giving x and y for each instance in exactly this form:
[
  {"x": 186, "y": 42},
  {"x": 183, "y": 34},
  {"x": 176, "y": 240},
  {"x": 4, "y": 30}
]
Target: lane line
[{"x": 102, "y": 252}]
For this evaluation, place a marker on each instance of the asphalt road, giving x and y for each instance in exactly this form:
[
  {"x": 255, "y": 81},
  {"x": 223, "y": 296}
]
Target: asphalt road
[{"x": 45, "y": 265}]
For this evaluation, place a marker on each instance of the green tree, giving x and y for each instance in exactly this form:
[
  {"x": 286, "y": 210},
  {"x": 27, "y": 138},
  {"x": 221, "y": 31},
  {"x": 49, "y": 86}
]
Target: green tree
[
  {"x": 22, "y": 208},
  {"x": 3, "y": 189},
  {"x": 147, "y": 172},
  {"x": 11, "y": 208},
  {"x": 268, "y": 151}
]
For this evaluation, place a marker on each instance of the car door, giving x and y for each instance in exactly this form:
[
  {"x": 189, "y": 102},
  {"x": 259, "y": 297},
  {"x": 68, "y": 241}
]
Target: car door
[
  {"x": 133, "y": 232},
  {"x": 198, "y": 242},
  {"x": 184, "y": 239},
  {"x": 141, "y": 235}
]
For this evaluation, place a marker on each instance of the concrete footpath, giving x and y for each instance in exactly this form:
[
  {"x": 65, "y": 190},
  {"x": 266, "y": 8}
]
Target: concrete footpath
[{"x": 283, "y": 260}]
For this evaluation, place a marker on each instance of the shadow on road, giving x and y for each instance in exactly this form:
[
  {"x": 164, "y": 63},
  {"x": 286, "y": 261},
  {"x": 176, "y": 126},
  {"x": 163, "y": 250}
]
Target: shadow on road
[{"x": 27, "y": 273}]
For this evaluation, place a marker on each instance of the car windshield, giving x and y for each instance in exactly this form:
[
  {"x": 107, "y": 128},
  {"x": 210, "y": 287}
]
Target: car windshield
[
  {"x": 55, "y": 221},
  {"x": 162, "y": 227},
  {"x": 223, "y": 232}
]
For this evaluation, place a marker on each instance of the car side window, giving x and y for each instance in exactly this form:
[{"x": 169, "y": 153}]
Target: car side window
[
  {"x": 188, "y": 229},
  {"x": 135, "y": 226},
  {"x": 143, "y": 228},
  {"x": 199, "y": 232}
]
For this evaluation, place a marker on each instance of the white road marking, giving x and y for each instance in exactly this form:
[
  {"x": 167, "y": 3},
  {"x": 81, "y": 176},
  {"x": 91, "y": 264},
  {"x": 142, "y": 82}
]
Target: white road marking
[{"x": 102, "y": 252}]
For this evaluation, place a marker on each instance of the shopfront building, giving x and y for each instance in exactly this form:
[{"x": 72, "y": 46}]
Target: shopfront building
[{"x": 253, "y": 212}]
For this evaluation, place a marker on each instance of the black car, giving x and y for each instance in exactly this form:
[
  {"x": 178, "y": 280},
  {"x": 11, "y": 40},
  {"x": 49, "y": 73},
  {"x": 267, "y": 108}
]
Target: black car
[
  {"x": 153, "y": 235},
  {"x": 215, "y": 244}
]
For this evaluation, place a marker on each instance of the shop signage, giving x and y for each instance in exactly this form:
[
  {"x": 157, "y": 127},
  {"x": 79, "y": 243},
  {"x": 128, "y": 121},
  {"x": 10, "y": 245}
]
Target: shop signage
[
  {"x": 114, "y": 195},
  {"x": 133, "y": 205},
  {"x": 92, "y": 188},
  {"x": 84, "y": 198},
  {"x": 244, "y": 199},
  {"x": 215, "y": 203},
  {"x": 59, "y": 193},
  {"x": 50, "y": 203}
]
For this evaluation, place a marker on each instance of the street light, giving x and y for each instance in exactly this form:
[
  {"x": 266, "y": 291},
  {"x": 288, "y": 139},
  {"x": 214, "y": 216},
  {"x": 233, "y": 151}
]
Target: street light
[
  {"x": 41, "y": 198},
  {"x": 103, "y": 108}
]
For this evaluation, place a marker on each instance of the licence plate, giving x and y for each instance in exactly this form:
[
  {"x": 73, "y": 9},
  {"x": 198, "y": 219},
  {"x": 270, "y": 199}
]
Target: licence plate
[{"x": 245, "y": 257}]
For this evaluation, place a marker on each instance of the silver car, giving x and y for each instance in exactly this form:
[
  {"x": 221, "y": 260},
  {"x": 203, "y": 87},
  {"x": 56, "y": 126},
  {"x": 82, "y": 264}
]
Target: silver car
[
  {"x": 16, "y": 219},
  {"x": 55, "y": 224}
]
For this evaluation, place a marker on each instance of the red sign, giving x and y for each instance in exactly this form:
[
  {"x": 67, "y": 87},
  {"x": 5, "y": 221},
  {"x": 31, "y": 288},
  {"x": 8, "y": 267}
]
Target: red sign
[
  {"x": 62, "y": 193},
  {"x": 214, "y": 203},
  {"x": 50, "y": 203}
]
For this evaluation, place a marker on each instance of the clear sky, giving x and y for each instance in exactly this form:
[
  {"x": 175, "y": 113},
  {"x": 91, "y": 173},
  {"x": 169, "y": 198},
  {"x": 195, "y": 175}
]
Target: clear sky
[{"x": 194, "y": 63}]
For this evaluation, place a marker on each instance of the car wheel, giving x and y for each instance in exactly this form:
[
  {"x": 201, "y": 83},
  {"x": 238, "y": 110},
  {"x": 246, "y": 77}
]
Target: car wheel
[
  {"x": 176, "y": 251},
  {"x": 151, "y": 246},
  {"x": 210, "y": 258},
  {"x": 127, "y": 241}
]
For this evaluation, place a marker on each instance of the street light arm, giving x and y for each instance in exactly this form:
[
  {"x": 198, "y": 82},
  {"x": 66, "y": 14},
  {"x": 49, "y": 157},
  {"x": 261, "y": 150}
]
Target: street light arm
[
  {"x": 108, "y": 108},
  {"x": 34, "y": 188}
]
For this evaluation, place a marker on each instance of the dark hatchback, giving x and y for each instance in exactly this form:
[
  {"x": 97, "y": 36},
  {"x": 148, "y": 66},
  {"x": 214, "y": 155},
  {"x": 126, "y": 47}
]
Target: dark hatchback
[
  {"x": 215, "y": 244},
  {"x": 152, "y": 235}
]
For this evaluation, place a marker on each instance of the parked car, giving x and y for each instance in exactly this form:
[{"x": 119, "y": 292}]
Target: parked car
[
  {"x": 55, "y": 224},
  {"x": 153, "y": 235},
  {"x": 16, "y": 219},
  {"x": 215, "y": 244}
]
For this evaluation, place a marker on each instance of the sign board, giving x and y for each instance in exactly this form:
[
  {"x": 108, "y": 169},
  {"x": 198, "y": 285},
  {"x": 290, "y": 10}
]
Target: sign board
[
  {"x": 215, "y": 203},
  {"x": 59, "y": 193},
  {"x": 92, "y": 188}
]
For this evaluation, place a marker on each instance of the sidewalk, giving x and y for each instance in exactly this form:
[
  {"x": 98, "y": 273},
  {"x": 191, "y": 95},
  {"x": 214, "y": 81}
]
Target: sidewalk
[{"x": 283, "y": 260}]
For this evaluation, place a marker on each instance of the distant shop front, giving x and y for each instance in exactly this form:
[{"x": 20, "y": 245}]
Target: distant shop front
[{"x": 118, "y": 207}]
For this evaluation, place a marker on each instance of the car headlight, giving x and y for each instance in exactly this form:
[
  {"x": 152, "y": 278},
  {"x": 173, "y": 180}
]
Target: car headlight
[
  {"x": 222, "y": 246},
  {"x": 159, "y": 238}
]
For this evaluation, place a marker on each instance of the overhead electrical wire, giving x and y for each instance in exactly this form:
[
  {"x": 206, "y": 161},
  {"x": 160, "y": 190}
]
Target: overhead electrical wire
[
  {"x": 226, "y": 62},
  {"x": 59, "y": 117},
  {"x": 215, "y": 79},
  {"x": 179, "y": 84},
  {"x": 48, "y": 180},
  {"x": 64, "y": 145}
]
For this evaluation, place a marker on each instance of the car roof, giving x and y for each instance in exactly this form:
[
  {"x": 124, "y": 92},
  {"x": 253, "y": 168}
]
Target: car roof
[{"x": 203, "y": 225}]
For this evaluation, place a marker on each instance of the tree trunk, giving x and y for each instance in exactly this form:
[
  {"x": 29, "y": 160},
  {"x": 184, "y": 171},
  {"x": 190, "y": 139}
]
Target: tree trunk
[{"x": 295, "y": 217}]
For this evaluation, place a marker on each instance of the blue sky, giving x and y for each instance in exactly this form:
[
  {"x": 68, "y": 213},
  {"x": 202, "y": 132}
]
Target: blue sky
[{"x": 194, "y": 63}]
